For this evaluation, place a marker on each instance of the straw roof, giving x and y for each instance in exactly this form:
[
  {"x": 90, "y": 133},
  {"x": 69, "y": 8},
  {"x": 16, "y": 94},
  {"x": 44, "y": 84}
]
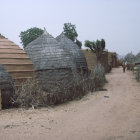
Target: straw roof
[
  {"x": 15, "y": 61},
  {"x": 74, "y": 50},
  {"x": 46, "y": 53},
  {"x": 52, "y": 62}
]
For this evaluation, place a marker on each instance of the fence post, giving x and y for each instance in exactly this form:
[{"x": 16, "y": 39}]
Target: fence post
[{"x": 0, "y": 101}]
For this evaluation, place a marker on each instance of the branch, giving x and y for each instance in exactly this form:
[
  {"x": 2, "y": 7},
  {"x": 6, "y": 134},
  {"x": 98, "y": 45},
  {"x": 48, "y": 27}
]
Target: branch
[{"x": 92, "y": 49}]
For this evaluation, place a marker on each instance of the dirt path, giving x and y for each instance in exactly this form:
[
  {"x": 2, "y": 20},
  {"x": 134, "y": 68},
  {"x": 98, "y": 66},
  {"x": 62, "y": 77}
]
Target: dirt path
[{"x": 94, "y": 117}]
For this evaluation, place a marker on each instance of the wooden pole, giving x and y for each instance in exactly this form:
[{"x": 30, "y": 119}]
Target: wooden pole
[{"x": 0, "y": 101}]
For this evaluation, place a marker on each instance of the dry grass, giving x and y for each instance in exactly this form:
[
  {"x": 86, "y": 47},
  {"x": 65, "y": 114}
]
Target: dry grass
[{"x": 31, "y": 95}]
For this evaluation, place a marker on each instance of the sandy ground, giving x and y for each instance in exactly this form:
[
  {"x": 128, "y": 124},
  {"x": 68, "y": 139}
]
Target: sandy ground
[{"x": 105, "y": 115}]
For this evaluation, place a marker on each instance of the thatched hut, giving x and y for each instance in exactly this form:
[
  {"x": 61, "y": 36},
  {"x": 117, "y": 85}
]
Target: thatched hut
[
  {"x": 54, "y": 67},
  {"x": 6, "y": 87},
  {"x": 15, "y": 61},
  {"x": 76, "y": 53},
  {"x": 112, "y": 58}
]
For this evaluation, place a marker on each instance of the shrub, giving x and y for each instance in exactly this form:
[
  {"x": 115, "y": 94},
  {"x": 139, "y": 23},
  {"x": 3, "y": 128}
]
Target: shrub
[
  {"x": 99, "y": 76},
  {"x": 31, "y": 95},
  {"x": 130, "y": 58}
]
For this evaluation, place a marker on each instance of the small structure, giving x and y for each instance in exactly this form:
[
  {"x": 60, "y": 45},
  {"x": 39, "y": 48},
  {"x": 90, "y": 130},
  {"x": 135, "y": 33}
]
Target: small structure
[
  {"x": 76, "y": 53},
  {"x": 15, "y": 68},
  {"x": 104, "y": 61},
  {"x": 112, "y": 58},
  {"x": 92, "y": 59},
  {"x": 15, "y": 61},
  {"x": 54, "y": 67},
  {"x": 6, "y": 87}
]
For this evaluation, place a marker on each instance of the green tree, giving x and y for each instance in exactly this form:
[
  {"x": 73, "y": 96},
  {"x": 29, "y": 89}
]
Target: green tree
[
  {"x": 79, "y": 43},
  {"x": 70, "y": 31},
  {"x": 96, "y": 47},
  {"x": 30, "y": 35}
]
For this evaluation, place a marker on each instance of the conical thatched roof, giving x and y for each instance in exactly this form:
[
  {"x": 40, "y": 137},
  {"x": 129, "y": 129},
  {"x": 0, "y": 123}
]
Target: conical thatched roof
[
  {"x": 74, "y": 50},
  {"x": 46, "y": 53},
  {"x": 15, "y": 61},
  {"x": 52, "y": 62}
]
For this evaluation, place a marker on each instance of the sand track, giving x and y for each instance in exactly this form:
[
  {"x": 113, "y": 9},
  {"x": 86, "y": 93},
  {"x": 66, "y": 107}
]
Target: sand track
[{"x": 106, "y": 115}]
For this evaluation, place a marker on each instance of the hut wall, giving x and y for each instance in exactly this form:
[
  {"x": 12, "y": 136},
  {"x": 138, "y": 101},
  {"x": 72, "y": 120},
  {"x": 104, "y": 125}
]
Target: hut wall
[
  {"x": 115, "y": 60},
  {"x": 6, "y": 87},
  {"x": 112, "y": 58},
  {"x": 15, "y": 61},
  {"x": 91, "y": 59},
  {"x": 58, "y": 78},
  {"x": 104, "y": 61}
]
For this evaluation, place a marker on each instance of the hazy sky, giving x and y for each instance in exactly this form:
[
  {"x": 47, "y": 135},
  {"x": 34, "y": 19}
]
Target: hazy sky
[{"x": 117, "y": 21}]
